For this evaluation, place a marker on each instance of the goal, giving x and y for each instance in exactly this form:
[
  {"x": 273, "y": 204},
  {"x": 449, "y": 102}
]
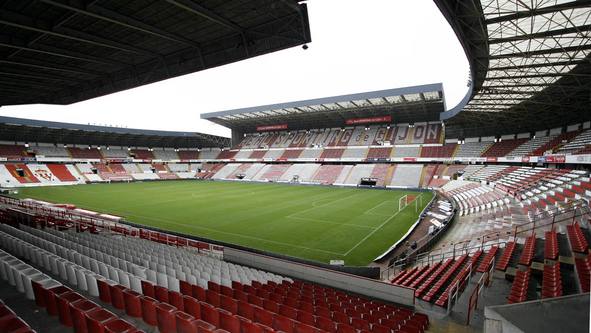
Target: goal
[
  {"x": 402, "y": 202},
  {"x": 405, "y": 201}
]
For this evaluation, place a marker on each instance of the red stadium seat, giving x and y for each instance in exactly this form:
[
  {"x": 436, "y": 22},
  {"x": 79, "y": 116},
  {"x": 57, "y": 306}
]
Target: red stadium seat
[
  {"x": 264, "y": 317},
  {"x": 228, "y": 304},
  {"x": 117, "y": 298},
  {"x": 119, "y": 326},
  {"x": 176, "y": 299},
  {"x": 246, "y": 310},
  {"x": 198, "y": 292},
  {"x": 148, "y": 289},
  {"x": 271, "y": 306},
  {"x": 283, "y": 324},
  {"x": 161, "y": 294},
  {"x": 191, "y": 306},
  {"x": 96, "y": 320},
  {"x": 212, "y": 297},
  {"x": 104, "y": 291},
  {"x": 325, "y": 324},
  {"x": 166, "y": 315},
  {"x": 288, "y": 311},
  {"x": 77, "y": 312},
  {"x": 185, "y": 288},
  {"x": 250, "y": 327},
  {"x": 210, "y": 314},
  {"x": 51, "y": 298},
  {"x": 63, "y": 305},
  {"x": 203, "y": 326},
  {"x": 229, "y": 322},
  {"x": 149, "y": 313},
  {"x": 185, "y": 323},
  {"x": 240, "y": 295},
  {"x": 133, "y": 303},
  {"x": 227, "y": 291},
  {"x": 344, "y": 328}
]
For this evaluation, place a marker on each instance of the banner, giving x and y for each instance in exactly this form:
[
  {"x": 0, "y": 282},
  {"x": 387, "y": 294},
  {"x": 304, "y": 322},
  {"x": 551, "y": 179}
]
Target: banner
[
  {"x": 357, "y": 121},
  {"x": 555, "y": 159},
  {"x": 272, "y": 127}
]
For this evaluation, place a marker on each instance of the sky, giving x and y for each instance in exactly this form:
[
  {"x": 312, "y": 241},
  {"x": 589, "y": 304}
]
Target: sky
[{"x": 357, "y": 46}]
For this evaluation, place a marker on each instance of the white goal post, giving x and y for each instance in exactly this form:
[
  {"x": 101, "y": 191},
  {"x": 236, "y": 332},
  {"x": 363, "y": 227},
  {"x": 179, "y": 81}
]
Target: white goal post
[{"x": 403, "y": 201}]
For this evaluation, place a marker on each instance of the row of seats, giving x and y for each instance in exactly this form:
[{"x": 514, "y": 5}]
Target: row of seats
[
  {"x": 505, "y": 258},
  {"x": 459, "y": 280},
  {"x": 210, "y": 285},
  {"x": 487, "y": 260},
  {"x": 519, "y": 287},
  {"x": 551, "y": 245},
  {"x": 551, "y": 281},
  {"x": 11, "y": 323},
  {"x": 58, "y": 299},
  {"x": 445, "y": 278},
  {"x": 527, "y": 253},
  {"x": 577, "y": 239}
]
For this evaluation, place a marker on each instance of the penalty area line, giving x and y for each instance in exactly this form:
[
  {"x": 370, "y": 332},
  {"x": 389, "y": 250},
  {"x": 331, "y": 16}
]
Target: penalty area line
[{"x": 378, "y": 228}]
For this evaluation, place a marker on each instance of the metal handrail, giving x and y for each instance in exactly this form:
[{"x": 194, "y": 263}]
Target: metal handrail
[{"x": 438, "y": 255}]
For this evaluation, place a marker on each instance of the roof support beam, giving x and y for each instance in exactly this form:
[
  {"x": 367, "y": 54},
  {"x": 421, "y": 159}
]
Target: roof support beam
[
  {"x": 539, "y": 11},
  {"x": 540, "y": 65},
  {"x": 534, "y": 76},
  {"x": 199, "y": 10},
  {"x": 52, "y": 67},
  {"x": 49, "y": 50},
  {"x": 18, "y": 21},
  {"x": 105, "y": 14},
  {"x": 38, "y": 76},
  {"x": 527, "y": 54},
  {"x": 28, "y": 83},
  {"x": 542, "y": 34}
]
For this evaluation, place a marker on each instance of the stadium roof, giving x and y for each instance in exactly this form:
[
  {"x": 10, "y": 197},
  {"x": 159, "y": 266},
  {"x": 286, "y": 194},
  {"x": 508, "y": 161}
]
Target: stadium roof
[
  {"x": 530, "y": 63},
  {"x": 64, "y": 51},
  {"x": 28, "y": 130},
  {"x": 404, "y": 105}
]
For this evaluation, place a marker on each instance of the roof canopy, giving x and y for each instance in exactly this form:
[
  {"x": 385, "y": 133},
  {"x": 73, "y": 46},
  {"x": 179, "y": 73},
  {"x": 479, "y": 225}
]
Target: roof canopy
[
  {"x": 531, "y": 63},
  {"x": 63, "y": 51},
  {"x": 28, "y": 130},
  {"x": 404, "y": 105}
]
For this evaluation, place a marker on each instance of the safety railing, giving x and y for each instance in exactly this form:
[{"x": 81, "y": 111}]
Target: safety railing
[{"x": 567, "y": 213}]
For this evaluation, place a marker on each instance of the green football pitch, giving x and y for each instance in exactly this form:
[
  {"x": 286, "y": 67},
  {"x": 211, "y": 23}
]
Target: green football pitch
[{"x": 312, "y": 222}]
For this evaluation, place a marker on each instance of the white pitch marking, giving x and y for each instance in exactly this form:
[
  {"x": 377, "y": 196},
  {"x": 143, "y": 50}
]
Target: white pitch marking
[{"x": 378, "y": 228}]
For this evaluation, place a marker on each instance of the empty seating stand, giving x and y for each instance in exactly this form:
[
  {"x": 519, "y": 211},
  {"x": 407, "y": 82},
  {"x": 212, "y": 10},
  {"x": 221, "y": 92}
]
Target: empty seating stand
[
  {"x": 505, "y": 257},
  {"x": 445, "y": 278},
  {"x": 433, "y": 277},
  {"x": 459, "y": 279},
  {"x": 487, "y": 260},
  {"x": 528, "y": 251},
  {"x": 551, "y": 281},
  {"x": 57, "y": 299},
  {"x": 577, "y": 239},
  {"x": 519, "y": 287},
  {"x": 167, "y": 297},
  {"x": 551, "y": 245}
]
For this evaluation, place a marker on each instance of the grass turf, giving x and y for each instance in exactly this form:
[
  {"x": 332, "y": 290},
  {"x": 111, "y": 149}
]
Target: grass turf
[{"x": 312, "y": 222}]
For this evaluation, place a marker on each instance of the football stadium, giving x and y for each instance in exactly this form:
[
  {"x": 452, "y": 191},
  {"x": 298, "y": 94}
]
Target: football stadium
[{"x": 374, "y": 211}]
